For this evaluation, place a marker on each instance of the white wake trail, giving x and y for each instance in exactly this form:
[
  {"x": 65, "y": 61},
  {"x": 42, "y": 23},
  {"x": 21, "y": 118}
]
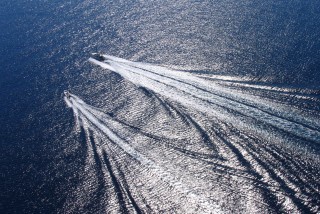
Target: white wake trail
[
  {"x": 190, "y": 91},
  {"x": 267, "y": 106},
  {"x": 84, "y": 110}
]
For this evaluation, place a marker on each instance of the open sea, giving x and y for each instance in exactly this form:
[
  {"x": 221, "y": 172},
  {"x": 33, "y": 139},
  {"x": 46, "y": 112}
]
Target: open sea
[{"x": 203, "y": 106}]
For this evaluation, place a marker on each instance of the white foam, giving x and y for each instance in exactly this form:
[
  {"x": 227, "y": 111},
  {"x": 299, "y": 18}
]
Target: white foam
[
  {"x": 80, "y": 107},
  {"x": 194, "y": 92}
]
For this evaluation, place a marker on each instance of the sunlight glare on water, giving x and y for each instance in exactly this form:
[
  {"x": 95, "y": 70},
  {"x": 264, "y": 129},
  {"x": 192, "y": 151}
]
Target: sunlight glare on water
[{"x": 197, "y": 107}]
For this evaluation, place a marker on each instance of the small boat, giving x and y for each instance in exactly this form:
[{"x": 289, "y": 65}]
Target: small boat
[
  {"x": 66, "y": 93},
  {"x": 98, "y": 56}
]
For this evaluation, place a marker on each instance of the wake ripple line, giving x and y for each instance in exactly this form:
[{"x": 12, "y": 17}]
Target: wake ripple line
[
  {"x": 291, "y": 127},
  {"x": 77, "y": 103},
  {"x": 219, "y": 90}
]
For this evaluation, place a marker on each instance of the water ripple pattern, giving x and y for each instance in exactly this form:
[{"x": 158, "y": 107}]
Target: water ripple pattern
[{"x": 208, "y": 146}]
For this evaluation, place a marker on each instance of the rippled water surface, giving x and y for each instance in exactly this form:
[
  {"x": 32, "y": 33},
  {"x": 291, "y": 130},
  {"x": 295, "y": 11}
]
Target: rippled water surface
[{"x": 197, "y": 107}]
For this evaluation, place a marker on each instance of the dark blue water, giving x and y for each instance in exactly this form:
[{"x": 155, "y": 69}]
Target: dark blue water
[{"x": 44, "y": 47}]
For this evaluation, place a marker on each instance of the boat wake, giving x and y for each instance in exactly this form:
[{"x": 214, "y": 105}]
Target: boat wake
[{"x": 207, "y": 148}]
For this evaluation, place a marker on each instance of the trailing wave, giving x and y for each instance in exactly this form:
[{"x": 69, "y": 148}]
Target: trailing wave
[
  {"x": 205, "y": 148},
  {"x": 192, "y": 91},
  {"x": 103, "y": 125}
]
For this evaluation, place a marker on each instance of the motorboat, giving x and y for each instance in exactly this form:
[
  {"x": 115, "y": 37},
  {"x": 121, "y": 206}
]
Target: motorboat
[
  {"x": 98, "y": 56},
  {"x": 66, "y": 93}
]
